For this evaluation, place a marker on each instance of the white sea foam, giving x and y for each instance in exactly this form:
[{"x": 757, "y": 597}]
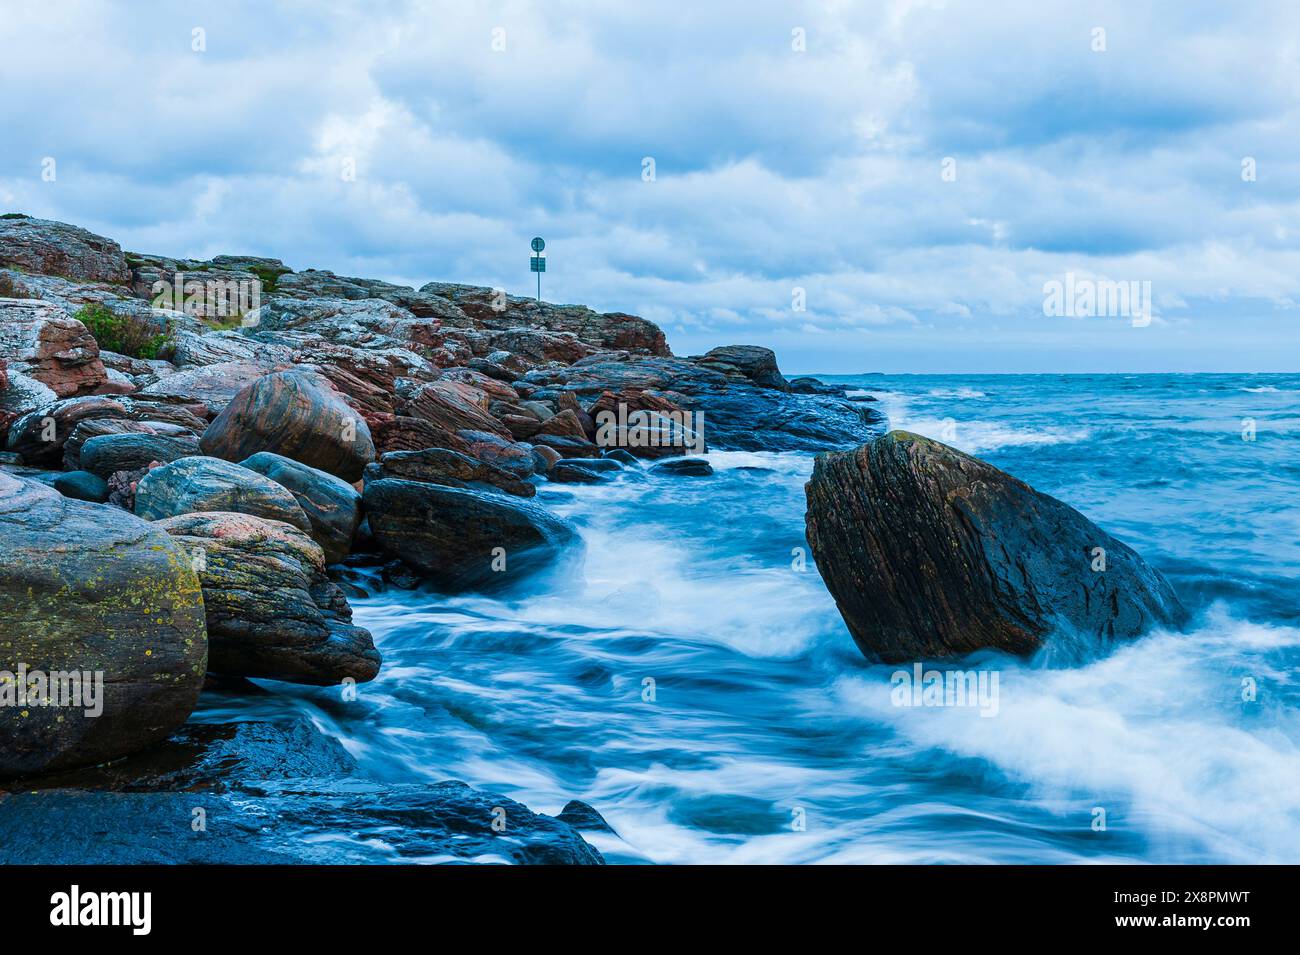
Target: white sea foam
[{"x": 1156, "y": 732}]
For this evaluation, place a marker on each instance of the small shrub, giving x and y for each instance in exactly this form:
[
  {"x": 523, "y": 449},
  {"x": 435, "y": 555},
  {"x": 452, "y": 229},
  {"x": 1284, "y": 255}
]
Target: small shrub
[{"x": 125, "y": 334}]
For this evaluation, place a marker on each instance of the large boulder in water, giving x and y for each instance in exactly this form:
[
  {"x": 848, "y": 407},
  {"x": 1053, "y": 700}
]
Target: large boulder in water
[
  {"x": 296, "y": 414},
  {"x": 272, "y": 611},
  {"x": 930, "y": 552},
  {"x": 89, "y": 588},
  {"x": 331, "y": 504},
  {"x": 462, "y": 538},
  {"x": 210, "y": 484}
]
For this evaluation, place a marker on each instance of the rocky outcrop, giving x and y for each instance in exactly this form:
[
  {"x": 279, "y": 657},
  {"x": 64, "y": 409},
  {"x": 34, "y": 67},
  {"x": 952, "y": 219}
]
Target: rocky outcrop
[
  {"x": 465, "y": 539},
  {"x": 272, "y": 611},
  {"x": 930, "y": 552},
  {"x": 92, "y": 589},
  {"x": 45, "y": 343},
  {"x": 209, "y": 484},
  {"x": 609, "y": 331},
  {"x": 331, "y": 504},
  {"x": 56, "y": 248},
  {"x": 737, "y": 414},
  {"x": 750, "y": 362},
  {"x": 295, "y": 414}
]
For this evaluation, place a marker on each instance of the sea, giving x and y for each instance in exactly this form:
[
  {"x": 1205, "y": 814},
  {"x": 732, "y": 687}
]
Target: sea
[{"x": 699, "y": 689}]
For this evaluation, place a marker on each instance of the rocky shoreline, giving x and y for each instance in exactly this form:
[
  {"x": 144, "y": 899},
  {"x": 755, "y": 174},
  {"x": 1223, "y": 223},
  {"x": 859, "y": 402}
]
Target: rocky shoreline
[{"x": 197, "y": 505}]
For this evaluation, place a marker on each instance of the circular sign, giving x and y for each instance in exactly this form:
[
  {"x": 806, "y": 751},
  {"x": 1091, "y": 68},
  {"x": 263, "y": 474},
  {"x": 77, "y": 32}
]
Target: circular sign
[{"x": 538, "y": 244}]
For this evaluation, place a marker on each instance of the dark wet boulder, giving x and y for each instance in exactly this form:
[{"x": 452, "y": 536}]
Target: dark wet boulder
[
  {"x": 131, "y": 451},
  {"x": 210, "y": 484},
  {"x": 82, "y": 486},
  {"x": 451, "y": 468},
  {"x": 753, "y": 362},
  {"x": 930, "y": 552},
  {"x": 683, "y": 467},
  {"x": 566, "y": 446},
  {"x": 93, "y": 589},
  {"x": 622, "y": 456},
  {"x": 583, "y": 817},
  {"x": 296, "y": 414},
  {"x": 332, "y": 505},
  {"x": 814, "y": 386},
  {"x": 272, "y": 611},
  {"x": 584, "y": 470},
  {"x": 460, "y": 538}
]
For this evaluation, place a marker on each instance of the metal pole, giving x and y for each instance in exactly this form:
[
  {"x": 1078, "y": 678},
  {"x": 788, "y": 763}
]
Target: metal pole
[{"x": 539, "y": 288}]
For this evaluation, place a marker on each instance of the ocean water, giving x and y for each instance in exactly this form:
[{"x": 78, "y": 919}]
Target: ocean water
[{"x": 700, "y": 689}]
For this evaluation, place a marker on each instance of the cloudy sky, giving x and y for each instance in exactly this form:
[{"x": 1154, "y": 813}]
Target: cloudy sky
[{"x": 914, "y": 172}]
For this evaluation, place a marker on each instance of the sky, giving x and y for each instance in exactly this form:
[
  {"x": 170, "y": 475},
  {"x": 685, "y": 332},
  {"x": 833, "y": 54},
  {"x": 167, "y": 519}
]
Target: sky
[{"x": 861, "y": 186}]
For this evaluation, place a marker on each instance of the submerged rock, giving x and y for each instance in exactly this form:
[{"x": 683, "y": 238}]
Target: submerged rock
[
  {"x": 930, "y": 552},
  {"x": 93, "y": 589},
  {"x": 464, "y": 539},
  {"x": 296, "y": 414},
  {"x": 683, "y": 467},
  {"x": 272, "y": 611}
]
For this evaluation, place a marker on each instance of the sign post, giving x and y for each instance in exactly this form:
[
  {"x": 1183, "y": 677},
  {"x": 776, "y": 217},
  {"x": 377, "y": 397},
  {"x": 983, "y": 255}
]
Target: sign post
[{"x": 537, "y": 263}]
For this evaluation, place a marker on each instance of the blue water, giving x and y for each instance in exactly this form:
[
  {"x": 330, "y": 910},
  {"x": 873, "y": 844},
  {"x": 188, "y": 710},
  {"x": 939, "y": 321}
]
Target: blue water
[{"x": 764, "y": 714}]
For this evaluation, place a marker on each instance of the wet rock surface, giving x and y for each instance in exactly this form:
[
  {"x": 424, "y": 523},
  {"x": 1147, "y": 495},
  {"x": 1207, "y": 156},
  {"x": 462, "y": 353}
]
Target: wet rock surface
[
  {"x": 254, "y": 793},
  {"x": 930, "y": 552}
]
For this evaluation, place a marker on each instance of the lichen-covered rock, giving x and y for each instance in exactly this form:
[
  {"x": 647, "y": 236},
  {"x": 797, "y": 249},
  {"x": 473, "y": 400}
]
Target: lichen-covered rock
[
  {"x": 93, "y": 589},
  {"x": 298, "y": 415},
  {"x": 466, "y": 539},
  {"x": 272, "y": 611},
  {"x": 56, "y": 248},
  {"x": 200, "y": 483},
  {"x": 930, "y": 552},
  {"x": 331, "y": 504},
  {"x": 48, "y": 345}
]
